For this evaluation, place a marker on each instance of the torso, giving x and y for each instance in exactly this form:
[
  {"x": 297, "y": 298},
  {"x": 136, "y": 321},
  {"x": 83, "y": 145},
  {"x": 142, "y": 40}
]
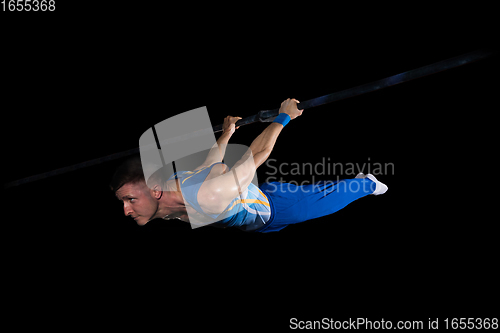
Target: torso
[
  {"x": 250, "y": 206},
  {"x": 216, "y": 171},
  {"x": 189, "y": 214}
]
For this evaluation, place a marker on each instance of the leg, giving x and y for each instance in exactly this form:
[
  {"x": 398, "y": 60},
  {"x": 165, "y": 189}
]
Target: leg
[
  {"x": 295, "y": 204},
  {"x": 331, "y": 197}
]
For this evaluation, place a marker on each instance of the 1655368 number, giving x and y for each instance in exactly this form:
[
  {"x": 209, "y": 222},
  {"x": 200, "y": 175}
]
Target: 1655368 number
[
  {"x": 28, "y": 5},
  {"x": 471, "y": 323}
]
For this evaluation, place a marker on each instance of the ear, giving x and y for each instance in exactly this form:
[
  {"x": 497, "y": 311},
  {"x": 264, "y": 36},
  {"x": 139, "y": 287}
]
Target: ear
[{"x": 156, "y": 192}]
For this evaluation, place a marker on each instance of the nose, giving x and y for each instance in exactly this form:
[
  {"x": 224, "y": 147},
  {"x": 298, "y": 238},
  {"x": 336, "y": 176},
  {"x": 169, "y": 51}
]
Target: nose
[{"x": 127, "y": 209}]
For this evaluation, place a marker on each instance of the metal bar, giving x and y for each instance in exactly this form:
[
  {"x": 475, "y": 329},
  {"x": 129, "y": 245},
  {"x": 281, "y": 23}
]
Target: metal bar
[
  {"x": 269, "y": 115},
  {"x": 74, "y": 167},
  {"x": 398, "y": 78}
]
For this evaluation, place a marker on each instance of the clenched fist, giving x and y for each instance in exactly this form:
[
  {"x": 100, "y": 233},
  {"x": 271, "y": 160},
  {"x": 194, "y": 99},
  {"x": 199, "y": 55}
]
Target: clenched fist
[
  {"x": 229, "y": 124},
  {"x": 289, "y": 106}
]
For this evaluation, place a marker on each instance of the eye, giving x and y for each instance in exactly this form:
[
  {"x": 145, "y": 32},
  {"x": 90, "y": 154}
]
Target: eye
[{"x": 132, "y": 200}]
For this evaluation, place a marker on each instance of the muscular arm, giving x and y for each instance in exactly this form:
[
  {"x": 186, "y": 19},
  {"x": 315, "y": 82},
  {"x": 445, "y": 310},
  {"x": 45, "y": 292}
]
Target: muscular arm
[
  {"x": 262, "y": 146},
  {"x": 216, "y": 154},
  {"x": 220, "y": 189}
]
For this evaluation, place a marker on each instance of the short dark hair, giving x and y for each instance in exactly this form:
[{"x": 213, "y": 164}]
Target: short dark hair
[{"x": 129, "y": 171}]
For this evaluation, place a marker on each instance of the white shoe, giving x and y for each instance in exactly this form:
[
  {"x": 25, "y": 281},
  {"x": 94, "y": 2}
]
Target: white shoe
[
  {"x": 360, "y": 175},
  {"x": 381, "y": 188}
]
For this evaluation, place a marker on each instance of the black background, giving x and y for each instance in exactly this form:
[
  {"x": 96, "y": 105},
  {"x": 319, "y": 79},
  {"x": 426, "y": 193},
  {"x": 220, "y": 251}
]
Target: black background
[{"x": 84, "y": 82}]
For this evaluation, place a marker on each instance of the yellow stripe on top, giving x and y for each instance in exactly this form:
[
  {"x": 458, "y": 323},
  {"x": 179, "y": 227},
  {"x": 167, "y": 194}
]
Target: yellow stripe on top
[
  {"x": 193, "y": 174},
  {"x": 246, "y": 201}
]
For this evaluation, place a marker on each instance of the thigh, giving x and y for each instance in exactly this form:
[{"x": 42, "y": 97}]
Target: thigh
[{"x": 294, "y": 204}]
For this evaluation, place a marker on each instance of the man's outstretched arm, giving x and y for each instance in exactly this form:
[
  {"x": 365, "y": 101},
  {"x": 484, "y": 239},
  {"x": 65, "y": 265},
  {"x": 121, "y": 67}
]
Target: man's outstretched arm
[
  {"x": 220, "y": 189},
  {"x": 263, "y": 145},
  {"x": 217, "y": 152}
]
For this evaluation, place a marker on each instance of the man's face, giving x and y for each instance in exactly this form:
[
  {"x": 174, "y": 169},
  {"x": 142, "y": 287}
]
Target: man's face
[{"x": 138, "y": 202}]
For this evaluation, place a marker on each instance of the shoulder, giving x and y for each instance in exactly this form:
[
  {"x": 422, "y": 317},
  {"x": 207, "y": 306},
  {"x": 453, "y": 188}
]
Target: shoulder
[{"x": 215, "y": 193}]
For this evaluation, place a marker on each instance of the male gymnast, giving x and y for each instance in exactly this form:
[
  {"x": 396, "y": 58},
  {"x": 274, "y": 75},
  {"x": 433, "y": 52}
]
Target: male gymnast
[{"x": 213, "y": 192}]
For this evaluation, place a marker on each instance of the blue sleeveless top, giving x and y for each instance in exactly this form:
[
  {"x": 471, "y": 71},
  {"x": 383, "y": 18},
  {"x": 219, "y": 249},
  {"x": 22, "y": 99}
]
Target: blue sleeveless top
[{"x": 248, "y": 212}]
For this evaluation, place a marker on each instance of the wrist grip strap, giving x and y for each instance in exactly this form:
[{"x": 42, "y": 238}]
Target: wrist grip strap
[{"x": 282, "y": 118}]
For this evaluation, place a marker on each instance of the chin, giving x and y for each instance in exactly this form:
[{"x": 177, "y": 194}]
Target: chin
[{"x": 141, "y": 221}]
